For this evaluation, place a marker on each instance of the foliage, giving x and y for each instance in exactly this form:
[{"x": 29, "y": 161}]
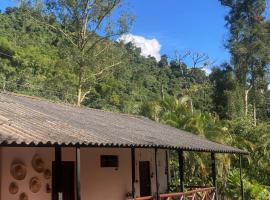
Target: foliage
[
  {"x": 237, "y": 132},
  {"x": 253, "y": 190},
  {"x": 38, "y": 59},
  {"x": 248, "y": 44}
]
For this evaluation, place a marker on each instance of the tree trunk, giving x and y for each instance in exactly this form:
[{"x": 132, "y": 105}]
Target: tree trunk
[
  {"x": 254, "y": 114},
  {"x": 246, "y": 100},
  {"x": 4, "y": 85},
  {"x": 79, "y": 86},
  {"x": 191, "y": 106},
  {"x": 162, "y": 92},
  {"x": 79, "y": 95},
  {"x": 37, "y": 4}
]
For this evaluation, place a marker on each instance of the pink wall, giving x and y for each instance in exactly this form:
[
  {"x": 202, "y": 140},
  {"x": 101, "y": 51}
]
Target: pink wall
[
  {"x": 0, "y": 173},
  {"x": 105, "y": 183},
  {"x": 25, "y": 155},
  {"x": 96, "y": 183}
]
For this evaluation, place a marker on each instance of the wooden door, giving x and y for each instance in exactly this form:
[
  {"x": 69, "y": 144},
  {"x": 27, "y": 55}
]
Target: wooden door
[
  {"x": 145, "y": 179},
  {"x": 66, "y": 189}
]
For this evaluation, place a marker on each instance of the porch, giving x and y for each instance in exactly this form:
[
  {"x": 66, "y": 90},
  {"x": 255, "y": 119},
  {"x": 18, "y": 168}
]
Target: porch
[
  {"x": 98, "y": 173},
  {"x": 193, "y": 194},
  {"x": 94, "y": 154}
]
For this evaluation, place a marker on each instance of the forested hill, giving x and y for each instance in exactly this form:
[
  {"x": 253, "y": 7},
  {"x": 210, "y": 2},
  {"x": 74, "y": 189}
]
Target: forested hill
[{"x": 36, "y": 60}]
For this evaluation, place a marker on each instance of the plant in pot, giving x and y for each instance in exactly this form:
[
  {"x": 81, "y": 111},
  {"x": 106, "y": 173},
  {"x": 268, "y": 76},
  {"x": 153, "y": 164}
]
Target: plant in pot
[{"x": 129, "y": 195}]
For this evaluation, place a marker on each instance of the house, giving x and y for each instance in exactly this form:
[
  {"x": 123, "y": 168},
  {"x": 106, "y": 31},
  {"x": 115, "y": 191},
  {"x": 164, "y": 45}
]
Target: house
[{"x": 62, "y": 152}]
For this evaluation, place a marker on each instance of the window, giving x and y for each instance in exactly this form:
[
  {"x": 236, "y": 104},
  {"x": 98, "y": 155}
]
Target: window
[{"x": 108, "y": 161}]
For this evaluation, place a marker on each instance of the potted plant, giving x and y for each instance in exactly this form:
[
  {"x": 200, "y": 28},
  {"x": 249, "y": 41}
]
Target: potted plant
[{"x": 129, "y": 196}]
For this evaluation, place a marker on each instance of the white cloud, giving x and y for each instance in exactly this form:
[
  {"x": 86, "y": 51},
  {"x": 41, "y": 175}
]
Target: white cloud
[
  {"x": 207, "y": 70},
  {"x": 149, "y": 47}
]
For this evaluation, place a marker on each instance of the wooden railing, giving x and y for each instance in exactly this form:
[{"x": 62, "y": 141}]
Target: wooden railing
[
  {"x": 194, "y": 194},
  {"x": 197, "y": 194},
  {"x": 145, "y": 198}
]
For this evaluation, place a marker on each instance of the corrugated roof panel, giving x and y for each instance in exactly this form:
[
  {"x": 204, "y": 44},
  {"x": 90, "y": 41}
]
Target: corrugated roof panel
[{"x": 34, "y": 121}]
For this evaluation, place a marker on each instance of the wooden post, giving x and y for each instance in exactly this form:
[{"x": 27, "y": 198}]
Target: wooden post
[
  {"x": 1, "y": 165},
  {"x": 241, "y": 178},
  {"x": 214, "y": 173},
  {"x": 133, "y": 171},
  {"x": 181, "y": 161},
  {"x": 58, "y": 171},
  {"x": 78, "y": 173},
  {"x": 157, "y": 181},
  {"x": 167, "y": 170}
]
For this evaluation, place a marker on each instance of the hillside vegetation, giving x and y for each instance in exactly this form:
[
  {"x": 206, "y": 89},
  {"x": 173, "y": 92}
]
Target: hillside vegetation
[{"x": 230, "y": 105}]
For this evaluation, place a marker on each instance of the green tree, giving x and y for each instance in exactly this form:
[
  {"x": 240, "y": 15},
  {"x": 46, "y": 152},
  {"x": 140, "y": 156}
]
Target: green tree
[
  {"x": 224, "y": 84},
  {"x": 248, "y": 43},
  {"x": 87, "y": 27}
]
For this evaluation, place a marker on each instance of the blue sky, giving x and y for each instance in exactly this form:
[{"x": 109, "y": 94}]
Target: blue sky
[
  {"x": 182, "y": 24},
  {"x": 196, "y": 25},
  {"x": 5, "y": 3}
]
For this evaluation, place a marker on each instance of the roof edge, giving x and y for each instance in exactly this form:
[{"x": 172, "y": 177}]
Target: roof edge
[{"x": 91, "y": 145}]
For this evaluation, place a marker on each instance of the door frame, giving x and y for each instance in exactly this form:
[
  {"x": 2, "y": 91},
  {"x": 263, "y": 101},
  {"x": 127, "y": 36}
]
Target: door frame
[
  {"x": 55, "y": 188},
  {"x": 149, "y": 192}
]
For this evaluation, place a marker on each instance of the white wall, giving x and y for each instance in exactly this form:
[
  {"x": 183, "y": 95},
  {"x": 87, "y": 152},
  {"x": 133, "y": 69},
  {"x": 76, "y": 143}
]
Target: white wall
[
  {"x": 162, "y": 171},
  {"x": 149, "y": 155}
]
